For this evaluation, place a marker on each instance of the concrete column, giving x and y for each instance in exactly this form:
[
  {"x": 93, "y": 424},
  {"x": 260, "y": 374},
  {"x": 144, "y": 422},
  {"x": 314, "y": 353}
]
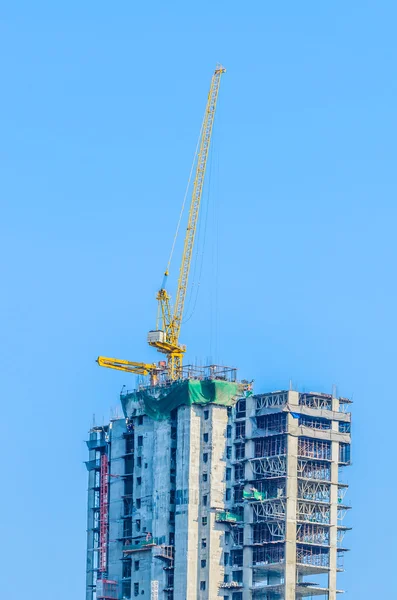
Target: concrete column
[
  {"x": 187, "y": 505},
  {"x": 90, "y": 525},
  {"x": 247, "y": 553},
  {"x": 142, "y": 490},
  {"x": 333, "y": 532},
  {"x": 293, "y": 399},
  {"x": 249, "y": 429},
  {"x": 161, "y": 494},
  {"x": 217, "y": 489},
  {"x": 291, "y": 505},
  {"x": 248, "y": 519},
  {"x": 116, "y": 490}
]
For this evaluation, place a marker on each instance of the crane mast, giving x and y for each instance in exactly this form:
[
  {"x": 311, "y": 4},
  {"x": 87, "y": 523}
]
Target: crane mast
[{"x": 165, "y": 338}]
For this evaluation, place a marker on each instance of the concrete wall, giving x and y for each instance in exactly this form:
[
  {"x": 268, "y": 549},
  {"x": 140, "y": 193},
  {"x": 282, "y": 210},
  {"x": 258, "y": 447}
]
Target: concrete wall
[
  {"x": 116, "y": 491},
  {"x": 201, "y": 454},
  {"x": 187, "y": 507},
  {"x": 161, "y": 465},
  {"x": 96, "y": 435},
  {"x": 216, "y": 426}
]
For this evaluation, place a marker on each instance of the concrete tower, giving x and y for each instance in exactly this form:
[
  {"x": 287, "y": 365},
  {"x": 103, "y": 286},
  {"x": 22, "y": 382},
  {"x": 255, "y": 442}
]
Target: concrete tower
[{"x": 232, "y": 496}]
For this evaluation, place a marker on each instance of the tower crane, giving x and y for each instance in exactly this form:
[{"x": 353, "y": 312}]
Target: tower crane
[{"x": 165, "y": 338}]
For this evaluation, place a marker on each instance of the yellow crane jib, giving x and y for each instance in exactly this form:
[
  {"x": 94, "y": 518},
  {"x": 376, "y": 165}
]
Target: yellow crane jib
[
  {"x": 166, "y": 336},
  {"x": 137, "y": 368},
  {"x": 126, "y": 365}
]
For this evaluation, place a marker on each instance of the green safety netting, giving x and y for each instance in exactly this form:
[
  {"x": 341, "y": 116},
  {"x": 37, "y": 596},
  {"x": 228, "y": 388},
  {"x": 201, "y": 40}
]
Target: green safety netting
[
  {"x": 160, "y": 401},
  {"x": 254, "y": 495}
]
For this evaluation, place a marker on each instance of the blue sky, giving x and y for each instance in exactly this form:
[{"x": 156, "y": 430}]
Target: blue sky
[{"x": 100, "y": 109}]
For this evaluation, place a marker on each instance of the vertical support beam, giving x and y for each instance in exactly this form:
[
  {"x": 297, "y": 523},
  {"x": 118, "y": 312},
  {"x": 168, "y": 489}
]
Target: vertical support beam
[
  {"x": 160, "y": 498},
  {"x": 247, "y": 553},
  {"x": 119, "y": 465},
  {"x": 217, "y": 424},
  {"x": 333, "y": 532},
  {"x": 249, "y": 453},
  {"x": 250, "y": 404},
  {"x": 187, "y": 506},
  {"x": 104, "y": 514},
  {"x": 291, "y": 502},
  {"x": 92, "y": 519}
]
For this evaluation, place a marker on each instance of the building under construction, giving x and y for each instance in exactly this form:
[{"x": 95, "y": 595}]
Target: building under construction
[
  {"x": 204, "y": 490},
  {"x": 228, "y": 495}
]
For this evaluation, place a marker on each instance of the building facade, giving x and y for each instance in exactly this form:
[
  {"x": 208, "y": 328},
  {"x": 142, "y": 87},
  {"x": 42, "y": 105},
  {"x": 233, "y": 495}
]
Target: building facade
[{"x": 242, "y": 502}]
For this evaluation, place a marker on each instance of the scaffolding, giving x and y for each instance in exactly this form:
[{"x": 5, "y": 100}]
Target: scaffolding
[
  {"x": 269, "y": 488},
  {"x": 268, "y": 531},
  {"x": 344, "y": 404},
  {"x": 315, "y": 423},
  {"x": 273, "y": 400},
  {"x": 270, "y": 446},
  {"x": 104, "y": 514},
  {"x": 314, "y": 556},
  {"x": 272, "y": 424},
  {"x": 312, "y": 448},
  {"x": 342, "y": 489},
  {"x": 266, "y": 555},
  {"x": 270, "y": 466},
  {"x": 266, "y": 485},
  {"x": 321, "y": 471},
  {"x": 316, "y": 400},
  {"x": 190, "y": 372},
  {"x": 317, "y": 491},
  {"x": 344, "y": 453},
  {"x": 312, "y": 512},
  {"x": 312, "y": 534},
  {"x": 265, "y": 532},
  {"x": 342, "y": 512}
]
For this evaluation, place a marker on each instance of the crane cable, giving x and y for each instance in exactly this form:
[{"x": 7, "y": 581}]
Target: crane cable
[
  {"x": 216, "y": 274},
  {"x": 184, "y": 200},
  {"x": 214, "y": 297},
  {"x": 199, "y": 255}
]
